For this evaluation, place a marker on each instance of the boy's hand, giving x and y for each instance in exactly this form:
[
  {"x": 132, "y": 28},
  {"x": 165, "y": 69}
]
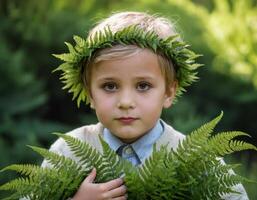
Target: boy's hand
[{"x": 88, "y": 190}]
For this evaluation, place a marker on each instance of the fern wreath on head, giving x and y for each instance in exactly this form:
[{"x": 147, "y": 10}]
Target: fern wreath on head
[
  {"x": 175, "y": 50},
  {"x": 193, "y": 171}
]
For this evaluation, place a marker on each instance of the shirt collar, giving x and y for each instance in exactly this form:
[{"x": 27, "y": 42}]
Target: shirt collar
[{"x": 142, "y": 146}]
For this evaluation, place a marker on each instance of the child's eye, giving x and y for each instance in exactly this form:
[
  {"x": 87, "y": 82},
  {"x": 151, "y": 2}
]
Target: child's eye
[
  {"x": 110, "y": 87},
  {"x": 143, "y": 86}
]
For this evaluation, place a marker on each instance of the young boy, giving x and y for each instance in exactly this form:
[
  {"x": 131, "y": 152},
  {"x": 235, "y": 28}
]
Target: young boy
[{"x": 128, "y": 80}]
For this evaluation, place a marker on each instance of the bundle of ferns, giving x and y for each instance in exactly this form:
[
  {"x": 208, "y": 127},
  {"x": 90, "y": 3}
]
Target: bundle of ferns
[{"x": 193, "y": 171}]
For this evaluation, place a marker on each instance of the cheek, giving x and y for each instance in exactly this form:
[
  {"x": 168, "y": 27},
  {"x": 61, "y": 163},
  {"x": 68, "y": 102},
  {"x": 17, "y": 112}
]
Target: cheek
[
  {"x": 103, "y": 112},
  {"x": 103, "y": 106},
  {"x": 152, "y": 105}
]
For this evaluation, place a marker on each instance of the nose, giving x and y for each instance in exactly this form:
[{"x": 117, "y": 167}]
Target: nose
[{"x": 126, "y": 100}]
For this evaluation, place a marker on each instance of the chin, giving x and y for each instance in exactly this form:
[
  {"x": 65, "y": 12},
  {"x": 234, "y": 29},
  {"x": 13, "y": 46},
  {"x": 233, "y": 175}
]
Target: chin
[{"x": 128, "y": 140}]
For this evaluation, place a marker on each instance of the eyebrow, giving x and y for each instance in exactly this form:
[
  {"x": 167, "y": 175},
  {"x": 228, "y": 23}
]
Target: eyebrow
[
  {"x": 145, "y": 77},
  {"x": 105, "y": 79},
  {"x": 139, "y": 78}
]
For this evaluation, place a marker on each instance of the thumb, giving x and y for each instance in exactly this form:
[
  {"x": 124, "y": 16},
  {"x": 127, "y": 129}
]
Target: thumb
[{"x": 91, "y": 177}]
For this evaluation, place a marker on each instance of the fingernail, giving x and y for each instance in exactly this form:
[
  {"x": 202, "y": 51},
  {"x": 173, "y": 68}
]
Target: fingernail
[
  {"x": 122, "y": 175},
  {"x": 93, "y": 170}
]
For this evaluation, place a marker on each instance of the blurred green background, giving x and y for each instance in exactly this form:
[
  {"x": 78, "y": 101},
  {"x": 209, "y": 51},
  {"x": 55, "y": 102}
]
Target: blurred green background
[{"x": 32, "y": 103}]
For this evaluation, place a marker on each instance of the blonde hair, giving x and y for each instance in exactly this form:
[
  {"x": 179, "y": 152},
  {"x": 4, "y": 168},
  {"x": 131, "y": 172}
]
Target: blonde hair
[{"x": 116, "y": 22}]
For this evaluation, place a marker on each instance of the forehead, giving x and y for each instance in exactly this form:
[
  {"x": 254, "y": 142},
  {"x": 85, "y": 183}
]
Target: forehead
[
  {"x": 142, "y": 63},
  {"x": 116, "y": 52}
]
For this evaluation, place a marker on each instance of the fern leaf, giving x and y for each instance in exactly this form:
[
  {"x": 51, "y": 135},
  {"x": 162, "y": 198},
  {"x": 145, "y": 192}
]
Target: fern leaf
[
  {"x": 88, "y": 156},
  {"x": 112, "y": 165},
  {"x": 58, "y": 161},
  {"x": 25, "y": 169},
  {"x": 188, "y": 148},
  {"x": 67, "y": 57},
  {"x": 223, "y": 143}
]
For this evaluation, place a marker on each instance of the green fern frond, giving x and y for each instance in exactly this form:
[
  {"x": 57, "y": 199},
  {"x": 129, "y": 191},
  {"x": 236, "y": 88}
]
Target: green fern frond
[
  {"x": 88, "y": 156},
  {"x": 224, "y": 144},
  {"x": 112, "y": 165},
  {"x": 23, "y": 185},
  {"x": 189, "y": 148},
  {"x": 40, "y": 185},
  {"x": 151, "y": 163},
  {"x": 157, "y": 178},
  {"x": 58, "y": 161},
  {"x": 25, "y": 169}
]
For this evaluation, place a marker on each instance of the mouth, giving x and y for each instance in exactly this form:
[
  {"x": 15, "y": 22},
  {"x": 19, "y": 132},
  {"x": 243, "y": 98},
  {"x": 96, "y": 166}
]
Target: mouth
[{"x": 127, "y": 120}]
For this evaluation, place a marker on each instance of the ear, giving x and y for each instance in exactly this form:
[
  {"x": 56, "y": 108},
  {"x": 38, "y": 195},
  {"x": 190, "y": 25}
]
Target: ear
[
  {"x": 92, "y": 102},
  {"x": 92, "y": 106},
  {"x": 170, "y": 94}
]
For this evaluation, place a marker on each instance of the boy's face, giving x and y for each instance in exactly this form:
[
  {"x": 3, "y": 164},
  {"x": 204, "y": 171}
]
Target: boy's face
[{"x": 129, "y": 94}]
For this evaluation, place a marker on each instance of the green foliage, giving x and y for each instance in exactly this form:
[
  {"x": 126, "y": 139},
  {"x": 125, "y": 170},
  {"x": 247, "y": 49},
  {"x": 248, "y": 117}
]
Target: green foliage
[
  {"x": 76, "y": 60},
  {"x": 192, "y": 171},
  {"x": 28, "y": 108},
  {"x": 65, "y": 174},
  {"x": 21, "y": 94},
  {"x": 231, "y": 34}
]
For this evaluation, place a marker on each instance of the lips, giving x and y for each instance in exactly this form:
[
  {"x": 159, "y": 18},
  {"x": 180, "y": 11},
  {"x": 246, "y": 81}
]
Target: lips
[{"x": 127, "y": 120}]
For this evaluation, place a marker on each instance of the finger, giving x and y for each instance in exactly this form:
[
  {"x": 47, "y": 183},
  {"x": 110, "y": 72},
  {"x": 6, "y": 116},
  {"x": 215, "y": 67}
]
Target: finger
[
  {"x": 117, "y": 192},
  {"x": 112, "y": 184},
  {"x": 124, "y": 197},
  {"x": 91, "y": 177}
]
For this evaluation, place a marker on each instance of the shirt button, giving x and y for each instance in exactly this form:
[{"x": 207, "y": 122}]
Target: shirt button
[{"x": 128, "y": 150}]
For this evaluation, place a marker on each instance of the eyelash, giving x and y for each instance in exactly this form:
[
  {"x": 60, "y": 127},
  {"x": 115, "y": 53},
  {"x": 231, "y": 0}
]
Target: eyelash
[
  {"x": 106, "y": 85},
  {"x": 114, "y": 86},
  {"x": 145, "y": 84}
]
